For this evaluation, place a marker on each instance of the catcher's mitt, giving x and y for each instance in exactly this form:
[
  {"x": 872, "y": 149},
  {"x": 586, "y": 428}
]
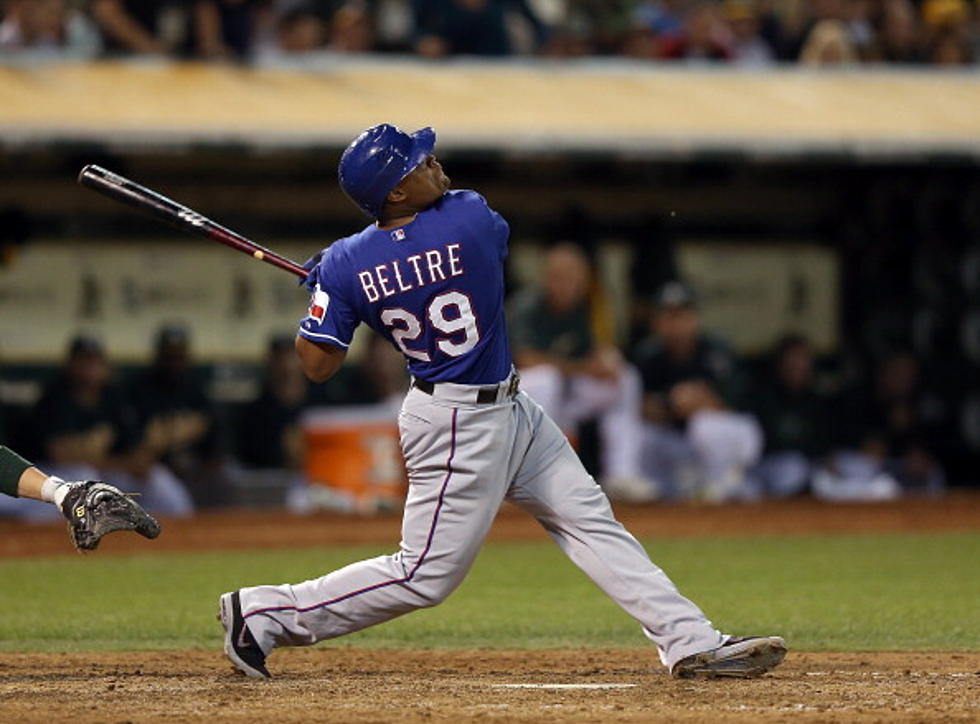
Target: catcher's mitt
[{"x": 94, "y": 509}]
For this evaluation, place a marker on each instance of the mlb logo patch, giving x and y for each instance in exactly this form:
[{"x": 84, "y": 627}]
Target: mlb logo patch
[
  {"x": 318, "y": 305},
  {"x": 398, "y": 235}
]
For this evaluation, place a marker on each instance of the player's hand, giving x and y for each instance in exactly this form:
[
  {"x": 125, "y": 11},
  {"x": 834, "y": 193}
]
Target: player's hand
[
  {"x": 605, "y": 364},
  {"x": 310, "y": 265},
  {"x": 95, "y": 509}
]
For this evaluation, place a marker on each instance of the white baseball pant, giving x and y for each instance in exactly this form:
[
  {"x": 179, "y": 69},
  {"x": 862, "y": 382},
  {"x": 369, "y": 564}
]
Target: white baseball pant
[{"x": 463, "y": 460}]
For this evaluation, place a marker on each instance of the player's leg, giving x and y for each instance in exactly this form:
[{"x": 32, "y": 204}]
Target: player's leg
[
  {"x": 668, "y": 458},
  {"x": 727, "y": 445},
  {"x": 546, "y": 385},
  {"x": 554, "y": 487},
  {"x": 617, "y": 406},
  {"x": 459, "y": 465}
]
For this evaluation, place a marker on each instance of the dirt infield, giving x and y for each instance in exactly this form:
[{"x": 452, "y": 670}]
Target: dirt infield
[
  {"x": 336, "y": 683},
  {"x": 351, "y": 685},
  {"x": 250, "y": 529}
]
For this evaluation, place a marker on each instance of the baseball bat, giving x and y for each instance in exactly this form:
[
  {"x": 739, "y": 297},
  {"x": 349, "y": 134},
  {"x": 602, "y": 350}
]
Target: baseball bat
[{"x": 119, "y": 188}]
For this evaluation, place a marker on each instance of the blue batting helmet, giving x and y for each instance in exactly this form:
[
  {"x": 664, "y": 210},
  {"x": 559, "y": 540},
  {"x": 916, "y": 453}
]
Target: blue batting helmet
[{"x": 377, "y": 160}]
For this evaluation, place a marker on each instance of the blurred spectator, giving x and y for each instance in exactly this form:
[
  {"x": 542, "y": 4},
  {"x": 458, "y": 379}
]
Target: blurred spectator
[
  {"x": 748, "y": 47},
  {"x": 269, "y": 434},
  {"x": 678, "y": 350},
  {"x": 48, "y": 26},
  {"x": 351, "y": 29},
  {"x": 747, "y": 32},
  {"x": 797, "y": 420},
  {"x": 897, "y": 423},
  {"x": 469, "y": 27},
  {"x": 567, "y": 373},
  {"x": 899, "y": 36},
  {"x": 945, "y": 13},
  {"x": 948, "y": 32},
  {"x": 175, "y": 419},
  {"x": 676, "y": 353},
  {"x": 86, "y": 430},
  {"x": 950, "y": 48},
  {"x": 664, "y": 18},
  {"x": 858, "y": 16},
  {"x": 586, "y": 27},
  {"x": 829, "y": 43},
  {"x": 81, "y": 420},
  {"x": 224, "y": 29},
  {"x": 725, "y": 444},
  {"x": 704, "y": 36},
  {"x": 143, "y": 27},
  {"x": 300, "y": 30}
]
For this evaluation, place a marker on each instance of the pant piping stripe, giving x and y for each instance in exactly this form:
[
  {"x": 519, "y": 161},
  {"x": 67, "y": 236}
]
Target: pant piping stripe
[{"x": 418, "y": 564}]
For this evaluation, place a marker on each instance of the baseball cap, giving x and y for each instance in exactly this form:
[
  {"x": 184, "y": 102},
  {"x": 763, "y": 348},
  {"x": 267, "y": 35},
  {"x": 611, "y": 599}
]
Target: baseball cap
[{"x": 675, "y": 294}]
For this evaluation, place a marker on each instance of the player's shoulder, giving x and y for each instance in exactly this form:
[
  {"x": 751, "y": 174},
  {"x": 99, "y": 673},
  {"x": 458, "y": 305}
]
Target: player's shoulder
[
  {"x": 340, "y": 250},
  {"x": 463, "y": 196},
  {"x": 462, "y": 201}
]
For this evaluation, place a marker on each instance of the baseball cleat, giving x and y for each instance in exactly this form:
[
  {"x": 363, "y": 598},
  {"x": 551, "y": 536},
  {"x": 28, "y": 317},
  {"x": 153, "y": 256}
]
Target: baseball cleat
[
  {"x": 742, "y": 657},
  {"x": 240, "y": 646}
]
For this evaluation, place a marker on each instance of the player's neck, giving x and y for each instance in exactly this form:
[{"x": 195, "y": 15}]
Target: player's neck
[
  {"x": 399, "y": 213},
  {"x": 393, "y": 222}
]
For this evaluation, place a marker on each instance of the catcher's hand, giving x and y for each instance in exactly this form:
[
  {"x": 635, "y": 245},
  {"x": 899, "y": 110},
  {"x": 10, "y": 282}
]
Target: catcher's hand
[{"x": 94, "y": 509}]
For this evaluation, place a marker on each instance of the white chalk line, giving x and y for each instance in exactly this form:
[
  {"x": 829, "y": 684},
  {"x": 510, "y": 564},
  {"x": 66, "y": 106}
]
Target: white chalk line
[{"x": 563, "y": 686}]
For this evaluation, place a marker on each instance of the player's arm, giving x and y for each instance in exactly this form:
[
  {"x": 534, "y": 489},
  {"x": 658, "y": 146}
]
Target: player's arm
[
  {"x": 320, "y": 360},
  {"x": 93, "y": 509},
  {"x": 116, "y": 22}
]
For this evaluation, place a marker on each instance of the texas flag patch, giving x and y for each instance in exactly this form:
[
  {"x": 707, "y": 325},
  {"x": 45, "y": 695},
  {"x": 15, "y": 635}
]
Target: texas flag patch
[{"x": 318, "y": 305}]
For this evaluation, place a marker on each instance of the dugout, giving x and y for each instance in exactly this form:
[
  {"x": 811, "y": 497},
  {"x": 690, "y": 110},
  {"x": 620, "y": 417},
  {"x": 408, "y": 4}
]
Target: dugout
[{"x": 839, "y": 204}]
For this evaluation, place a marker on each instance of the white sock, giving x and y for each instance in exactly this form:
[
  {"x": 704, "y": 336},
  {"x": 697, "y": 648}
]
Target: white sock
[{"x": 54, "y": 490}]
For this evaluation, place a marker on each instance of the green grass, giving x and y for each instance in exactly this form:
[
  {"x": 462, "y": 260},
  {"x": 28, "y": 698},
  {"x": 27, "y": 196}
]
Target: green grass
[{"x": 893, "y": 592}]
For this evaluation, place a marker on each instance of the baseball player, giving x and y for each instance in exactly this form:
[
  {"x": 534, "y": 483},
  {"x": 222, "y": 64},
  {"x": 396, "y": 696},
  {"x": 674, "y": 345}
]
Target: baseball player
[
  {"x": 428, "y": 275},
  {"x": 93, "y": 509}
]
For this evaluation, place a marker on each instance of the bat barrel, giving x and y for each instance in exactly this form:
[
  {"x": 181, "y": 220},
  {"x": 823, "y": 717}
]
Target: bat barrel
[{"x": 148, "y": 201}]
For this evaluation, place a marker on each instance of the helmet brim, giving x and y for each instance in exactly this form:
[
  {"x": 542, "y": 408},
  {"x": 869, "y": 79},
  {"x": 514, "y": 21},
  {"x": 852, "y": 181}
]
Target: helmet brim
[{"x": 423, "y": 141}]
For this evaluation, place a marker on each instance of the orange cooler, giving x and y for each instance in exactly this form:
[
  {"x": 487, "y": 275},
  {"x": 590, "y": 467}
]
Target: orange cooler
[{"x": 355, "y": 453}]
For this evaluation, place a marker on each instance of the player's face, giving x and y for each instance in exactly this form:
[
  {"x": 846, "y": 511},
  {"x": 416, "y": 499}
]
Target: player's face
[
  {"x": 677, "y": 326},
  {"x": 426, "y": 184}
]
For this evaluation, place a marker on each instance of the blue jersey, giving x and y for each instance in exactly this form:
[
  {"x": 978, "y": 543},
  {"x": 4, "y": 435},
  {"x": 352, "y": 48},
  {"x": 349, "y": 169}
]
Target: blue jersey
[{"x": 434, "y": 288}]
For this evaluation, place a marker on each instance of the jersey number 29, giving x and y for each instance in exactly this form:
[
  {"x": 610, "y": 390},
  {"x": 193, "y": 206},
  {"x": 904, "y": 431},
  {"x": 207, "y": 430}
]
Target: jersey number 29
[{"x": 450, "y": 313}]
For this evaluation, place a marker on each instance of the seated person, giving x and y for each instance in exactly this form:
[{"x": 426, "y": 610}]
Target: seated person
[
  {"x": 225, "y": 29},
  {"x": 143, "y": 27},
  {"x": 679, "y": 352},
  {"x": 269, "y": 433},
  {"x": 891, "y": 434},
  {"x": 174, "y": 417},
  {"x": 796, "y": 419},
  {"x": 725, "y": 444},
  {"x": 469, "y": 27},
  {"x": 571, "y": 376},
  {"x": 87, "y": 431},
  {"x": 49, "y": 27}
]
